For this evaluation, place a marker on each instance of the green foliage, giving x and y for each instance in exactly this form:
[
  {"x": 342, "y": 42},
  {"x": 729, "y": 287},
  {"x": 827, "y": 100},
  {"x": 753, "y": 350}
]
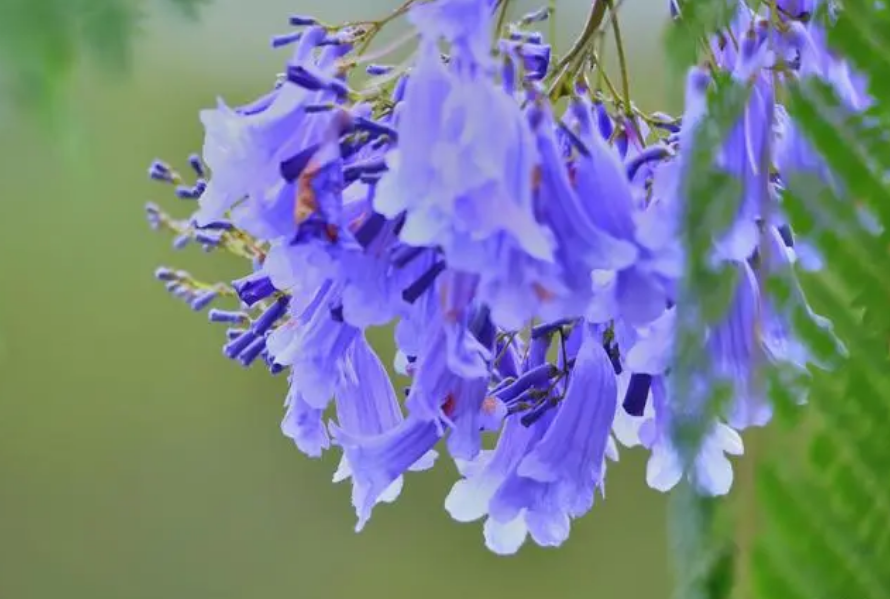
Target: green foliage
[
  {"x": 823, "y": 500},
  {"x": 43, "y": 41},
  {"x": 825, "y": 529}
]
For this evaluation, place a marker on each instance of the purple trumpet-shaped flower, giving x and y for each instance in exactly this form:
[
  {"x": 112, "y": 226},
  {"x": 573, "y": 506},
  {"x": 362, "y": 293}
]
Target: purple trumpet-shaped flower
[
  {"x": 377, "y": 462},
  {"x": 447, "y": 399},
  {"x": 711, "y": 471},
  {"x": 581, "y": 246},
  {"x": 313, "y": 344},
  {"x": 735, "y": 348},
  {"x": 640, "y": 290},
  {"x": 242, "y": 148},
  {"x": 539, "y": 478},
  {"x": 367, "y": 407}
]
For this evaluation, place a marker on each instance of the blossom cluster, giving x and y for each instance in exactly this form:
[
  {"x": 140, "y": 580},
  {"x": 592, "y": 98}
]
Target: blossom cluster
[{"x": 519, "y": 232}]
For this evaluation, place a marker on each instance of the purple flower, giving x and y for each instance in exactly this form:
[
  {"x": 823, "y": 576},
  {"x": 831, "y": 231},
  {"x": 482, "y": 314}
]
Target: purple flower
[
  {"x": 541, "y": 476},
  {"x": 367, "y": 407},
  {"x": 303, "y": 423},
  {"x": 243, "y": 147},
  {"x": 377, "y": 462},
  {"x": 313, "y": 344},
  {"x": 445, "y": 398},
  {"x": 711, "y": 471}
]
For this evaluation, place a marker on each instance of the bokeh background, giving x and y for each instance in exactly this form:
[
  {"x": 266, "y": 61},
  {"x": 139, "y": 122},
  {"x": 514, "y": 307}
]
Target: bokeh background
[{"x": 135, "y": 461}]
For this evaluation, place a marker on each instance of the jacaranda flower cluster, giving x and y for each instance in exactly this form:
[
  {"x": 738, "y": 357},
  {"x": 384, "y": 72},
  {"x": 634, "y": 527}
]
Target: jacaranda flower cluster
[{"x": 518, "y": 229}]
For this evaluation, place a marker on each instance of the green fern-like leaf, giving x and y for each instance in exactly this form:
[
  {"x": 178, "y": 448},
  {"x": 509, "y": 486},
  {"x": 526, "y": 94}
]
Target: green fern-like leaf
[{"x": 825, "y": 529}]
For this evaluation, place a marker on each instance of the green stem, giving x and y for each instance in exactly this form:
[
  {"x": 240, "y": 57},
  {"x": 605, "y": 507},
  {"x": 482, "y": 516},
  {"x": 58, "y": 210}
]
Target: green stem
[
  {"x": 569, "y": 63},
  {"x": 622, "y": 58}
]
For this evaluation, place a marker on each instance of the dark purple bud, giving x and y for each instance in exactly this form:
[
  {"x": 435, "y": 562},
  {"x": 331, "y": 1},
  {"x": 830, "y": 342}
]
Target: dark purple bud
[
  {"x": 217, "y": 225},
  {"x": 535, "y": 377},
  {"x": 300, "y": 75},
  {"x": 165, "y": 274},
  {"x": 200, "y": 187},
  {"x": 377, "y": 69},
  {"x": 603, "y": 120},
  {"x": 253, "y": 288},
  {"x": 316, "y": 108},
  {"x": 234, "y": 347},
  {"x": 650, "y": 154},
  {"x": 637, "y": 394},
  {"x": 533, "y": 415},
  {"x": 398, "y": 91},
  {"x": 535, "y": 59},
  {"x": 337, "y": 313},
  {"x": 202, "y": 300},
  {"x": 173, "y": 286},
  {"x": 279, "y": 41},
  {"x": 268, "y": 318},
  {"x": 184, "y": 192},
  {"x": 211, "y": 238},
  {"x": 252, "y": 351},
  {"x": 404, "y": 254},
  {"x": 197, "y": 165},
  {"x": 424, "y": 282},
  {"x": 160, "y": 171},
  {"x": 369, "y": 229},
  {"x": 227, "y": 316},
  {"x": 787, "y": 235},
  {"x": 234, "y": 333},
  {"x": 374, "y": 128},
  {"x": 274, "y": 367},
  {"x": 369, "y": 166},
  {"x": 621, "y": 143},
  {"x": 302, "y": 20}
]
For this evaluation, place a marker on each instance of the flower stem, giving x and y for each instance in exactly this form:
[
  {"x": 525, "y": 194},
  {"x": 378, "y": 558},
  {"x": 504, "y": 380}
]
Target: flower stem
[
  {"x": 622, "y": 58},
  {"x": 569, "y": 63}
]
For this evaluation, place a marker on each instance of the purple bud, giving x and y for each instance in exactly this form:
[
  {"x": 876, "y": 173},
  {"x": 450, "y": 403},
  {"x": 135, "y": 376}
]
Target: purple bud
[
  {"x": 234, "y": 333},
  {"x": 268, "y": 318},
  {"x": 165, "y": 274},
  {"x": 203, "y": 300},
  {"x": 535, "y": 414},
  {"x": 217, "y": 225},
  {"x": 181, "y": 241},
  {"x": 377, "y": 69},
  {"x": 411, "y": 293},
  {"x": 637, "y": 394},
  {"x": 253, "y": 288},
  {"x": 302, "y": 20},
  {"x": 233, "y": 348},
  {"x": 279, "y": 41},
  {"x": 197, "y": 165},
  {"x": 211, "y": 238},
  {"x": 533, "y": 378},
  {"x": 184, "y": 192},
  {"x": 160, "y": 171},
  {"x": 227, "y": 316},
  {"x": 252, "y": 351}
]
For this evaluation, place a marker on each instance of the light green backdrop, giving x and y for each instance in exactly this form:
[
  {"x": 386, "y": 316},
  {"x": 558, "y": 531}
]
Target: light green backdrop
[{"x": 135, "y": 461}]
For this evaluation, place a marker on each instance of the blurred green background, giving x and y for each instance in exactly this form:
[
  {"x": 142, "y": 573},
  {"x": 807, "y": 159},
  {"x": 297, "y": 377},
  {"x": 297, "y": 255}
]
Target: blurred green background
[{"x": 135, "y": 461}]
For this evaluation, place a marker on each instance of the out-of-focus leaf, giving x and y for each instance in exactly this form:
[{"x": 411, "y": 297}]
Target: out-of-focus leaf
[{"x": 43, "y": 41}]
